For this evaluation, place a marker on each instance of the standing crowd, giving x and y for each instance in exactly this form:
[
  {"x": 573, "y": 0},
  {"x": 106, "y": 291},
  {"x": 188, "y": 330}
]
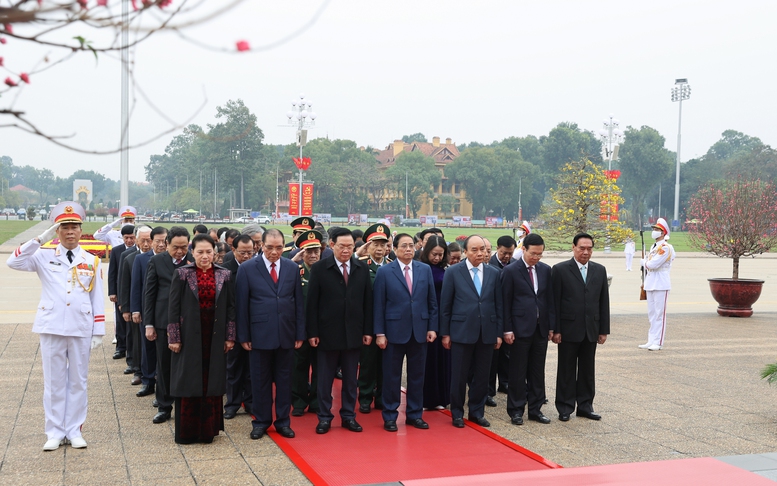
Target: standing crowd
[{"x": 272, "y": 324}]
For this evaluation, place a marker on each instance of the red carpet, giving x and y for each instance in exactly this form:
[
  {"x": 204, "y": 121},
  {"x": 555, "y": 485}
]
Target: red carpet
[
  {"x": 341, "y": 457},
  {"x": 681, "y": 472}
]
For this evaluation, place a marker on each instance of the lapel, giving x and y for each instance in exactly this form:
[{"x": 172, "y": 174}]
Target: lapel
[
  {"x": 468, "y": 278},
  {"x": 398, "y": 269},
  {"x": 524, "y": 271},
  {"x": 191, "y": 279},
  {"x": 262, "y": 269},
  {"x": 576, "y": 271}
]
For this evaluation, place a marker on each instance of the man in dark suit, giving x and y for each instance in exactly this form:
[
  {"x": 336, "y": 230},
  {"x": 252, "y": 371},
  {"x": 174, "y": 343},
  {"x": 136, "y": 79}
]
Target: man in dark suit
[
  {"x": 270, "y": 326},
  {"x": 339, "y": 322},
  {"x": 471, "y": 327},
  {"x": 159, "y": 275},
  {"x": 238, "y": 369},
  {"x": 582, "y": 302},
  {"x": 500, "y": 363},
  {"x": 134, "y": 354},
  {"x": 147, "y": 348},
  {"x": 527, "y": 293},
  {"x": 405, "y": 317},
  {"x": 120, "y": 331}
]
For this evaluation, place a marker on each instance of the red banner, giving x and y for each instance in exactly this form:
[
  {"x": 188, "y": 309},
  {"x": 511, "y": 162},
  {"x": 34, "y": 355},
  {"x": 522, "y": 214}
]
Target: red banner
[
  {"x": 307, "y": 200},
  {"x": 293, "y": 199}
]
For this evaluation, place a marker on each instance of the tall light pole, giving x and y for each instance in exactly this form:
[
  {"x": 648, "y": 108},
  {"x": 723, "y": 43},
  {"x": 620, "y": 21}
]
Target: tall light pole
[
  {"x": 124, "y": 165},
  {"x": 680, "y": 92},
  {"x": 302, "y": 117},
  {"x": 611, "y": 136}
]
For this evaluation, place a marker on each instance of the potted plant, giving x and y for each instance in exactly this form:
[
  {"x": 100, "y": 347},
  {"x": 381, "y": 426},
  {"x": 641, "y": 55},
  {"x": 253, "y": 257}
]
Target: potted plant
[{"x": 734, "y": 219}]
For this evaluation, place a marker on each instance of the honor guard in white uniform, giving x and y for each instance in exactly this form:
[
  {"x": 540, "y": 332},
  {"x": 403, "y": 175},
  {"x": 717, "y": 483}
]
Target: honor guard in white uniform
[
  {"x": 70, "y": 319},
  {"x": 520, "y": 233},
  {"x": 657, "y": 265},
  {"x": 107, "y": 234},
  {"x": 629, "y": 249}
]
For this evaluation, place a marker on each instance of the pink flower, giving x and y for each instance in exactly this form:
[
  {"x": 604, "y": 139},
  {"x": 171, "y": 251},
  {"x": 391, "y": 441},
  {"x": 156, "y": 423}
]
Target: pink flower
[
  {"x": 8, "y": 28},
  {"x": 25, "y": 77},
  {"x": 164, "y": 3},
  {"x": 2, "y": 40},
  {"x": 1, "y": 61},
  {"x": 10, "y": 82},
  {"x": 82, "y": 3},
  {"x": 102, "y": 3},
  {"x": 243, "y": 46}
]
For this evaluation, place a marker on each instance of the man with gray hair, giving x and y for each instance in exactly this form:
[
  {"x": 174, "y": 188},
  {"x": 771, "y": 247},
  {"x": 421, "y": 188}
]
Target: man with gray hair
[{"x": 255, "y": 232}]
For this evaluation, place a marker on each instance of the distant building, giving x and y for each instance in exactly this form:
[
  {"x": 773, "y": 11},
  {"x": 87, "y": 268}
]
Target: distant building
[{"x": 449, "y": 198}]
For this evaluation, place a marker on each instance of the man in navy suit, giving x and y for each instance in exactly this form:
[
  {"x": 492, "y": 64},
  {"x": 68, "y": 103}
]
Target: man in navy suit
[
  {"x": 138, "y": 283},
  {"x": 471, "y": 327},
  {"x": 270, "y": 325},
  {"x": 405, "y": 319},
  {"x": 527, "y": 292}
]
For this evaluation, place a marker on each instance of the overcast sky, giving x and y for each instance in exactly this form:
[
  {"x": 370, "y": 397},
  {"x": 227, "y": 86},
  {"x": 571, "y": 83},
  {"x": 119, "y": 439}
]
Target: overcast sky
[{"x": 378, "y": 70}]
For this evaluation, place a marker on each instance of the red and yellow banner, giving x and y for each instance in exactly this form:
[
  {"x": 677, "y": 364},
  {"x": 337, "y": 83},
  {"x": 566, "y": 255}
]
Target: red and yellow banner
[
  {"x": 293, "y": 199},
  {"x": 307, "y": 200}
]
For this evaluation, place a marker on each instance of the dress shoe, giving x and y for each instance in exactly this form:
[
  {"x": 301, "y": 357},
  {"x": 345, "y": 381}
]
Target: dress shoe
[
  {"x": 230, "y": 414},
  {"x": 481, "y": 421},
  {"x": 323, "y": 427},
  {"x": 417, "y": 423},
  {"x": 516, "y": 419},
  {"x": 128, "y": 370},
  {"x": 352, "y": 425},
  {"x": 458, "y": 423},
  {"x": 502, "y": 389},
  {"x": 654, "y": 347},
  {"x": 564, "y": 417},
  {"x": 257, "y": 432},
  {"x": 155, "y": 403},
  {"x": 540, "y": 417},
  {"x": 295, "y": 412},
  {"x": 545, "y": 402},
  {"x": 78, "y": 443},
  {"x": 136, "y": 381},
  {"x": 490, "y": 402},
  {"x": 161, "y": 417},
  {"x": 644, "y": 346},
  {"x": 53, "y": 444},
  {"x": 390, "y": 425},
  {"x": 364, "y": 408},
  {"x": 589, "y": 415},
  {"x": 285, "y": 432},
  {"x": 119, "y": 354},
  {"x": 145, "y": 390}
]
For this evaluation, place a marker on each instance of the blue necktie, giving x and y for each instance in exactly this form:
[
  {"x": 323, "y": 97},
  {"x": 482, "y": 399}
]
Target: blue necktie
[
  {"x": 476, "y": 280},
  {"x": 584, "y": 273}
]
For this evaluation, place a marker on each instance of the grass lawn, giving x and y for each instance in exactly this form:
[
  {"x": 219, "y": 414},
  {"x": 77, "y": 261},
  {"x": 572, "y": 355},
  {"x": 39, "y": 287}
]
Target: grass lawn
[{"x": 11, "y": 228}]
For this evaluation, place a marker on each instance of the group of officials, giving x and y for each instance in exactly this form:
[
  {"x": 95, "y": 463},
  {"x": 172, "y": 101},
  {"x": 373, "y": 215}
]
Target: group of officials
[{"x": 309, "y": 311}]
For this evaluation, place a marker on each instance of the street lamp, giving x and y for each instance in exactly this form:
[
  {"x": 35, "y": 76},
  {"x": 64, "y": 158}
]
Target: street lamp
[
  {"x": 611, "y": 136},
  {"x": 302, "y": 117},
  {"x": 680, "y": 92}
]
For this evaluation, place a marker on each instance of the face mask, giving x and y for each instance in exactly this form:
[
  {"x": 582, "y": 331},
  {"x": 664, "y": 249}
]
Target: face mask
[{"x": 656, "y": 234}]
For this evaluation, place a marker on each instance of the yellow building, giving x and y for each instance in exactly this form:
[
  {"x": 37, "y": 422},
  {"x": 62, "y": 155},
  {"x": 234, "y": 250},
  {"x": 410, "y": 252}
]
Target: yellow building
[{"x": 449, "y": 199}]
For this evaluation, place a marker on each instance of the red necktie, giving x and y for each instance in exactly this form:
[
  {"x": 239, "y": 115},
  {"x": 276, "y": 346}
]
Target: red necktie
[
  {"x": 273, "y": 273},
  {"x": 345, "y": 273}
]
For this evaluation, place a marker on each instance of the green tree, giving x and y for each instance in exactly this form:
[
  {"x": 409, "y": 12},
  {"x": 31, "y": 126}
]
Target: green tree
[
  {"x": 583, "y": 201},
  {"x": 422, "y": 178},
  {"x": 568, "y": 143},
  {"x": 644, "y": 163},
  {"x": 415, "y": 137},
  {"x": 491, "y": 178}
]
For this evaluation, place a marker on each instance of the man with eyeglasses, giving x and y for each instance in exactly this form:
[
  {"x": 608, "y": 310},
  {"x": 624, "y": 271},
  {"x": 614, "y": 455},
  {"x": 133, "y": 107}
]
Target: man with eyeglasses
[
  {"x": 238, "y": 373},
  {"x": 339, "y": 322},
  {"x": 582, "y": 302},
  {"x": 527, "y": 296}
]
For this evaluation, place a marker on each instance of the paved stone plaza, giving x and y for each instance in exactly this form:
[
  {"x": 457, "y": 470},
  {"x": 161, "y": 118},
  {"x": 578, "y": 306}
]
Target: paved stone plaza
[{"x": 700, "y": 396}]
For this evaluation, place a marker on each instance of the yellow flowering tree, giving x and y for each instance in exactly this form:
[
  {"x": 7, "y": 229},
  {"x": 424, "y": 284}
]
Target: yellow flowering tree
[{"x": 585, "y": 200}]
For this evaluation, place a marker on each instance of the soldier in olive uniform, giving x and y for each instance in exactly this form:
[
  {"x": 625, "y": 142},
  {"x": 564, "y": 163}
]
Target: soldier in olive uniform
[
  {"x": 298, "y": 226},
  {"x": 376, "y": 239},
  {"x": 303, "y": 381}
]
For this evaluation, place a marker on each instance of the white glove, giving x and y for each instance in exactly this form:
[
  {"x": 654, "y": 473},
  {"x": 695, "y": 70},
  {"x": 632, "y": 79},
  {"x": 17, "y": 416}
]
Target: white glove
[
  {"x": 96, "y": 341},
  {"x": 642, "y": 262},
  {"x": 117, "y": 223},
  {"x": 49, "y": 234}
]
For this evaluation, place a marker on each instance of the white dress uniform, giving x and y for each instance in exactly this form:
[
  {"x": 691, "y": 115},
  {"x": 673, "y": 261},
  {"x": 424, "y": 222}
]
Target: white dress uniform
[
  {"x": 70, "y": 312},
  {"x": 629, "y": 251},
  {"x": 107, "y": 232},
  {"x": 658, "y": 264}
]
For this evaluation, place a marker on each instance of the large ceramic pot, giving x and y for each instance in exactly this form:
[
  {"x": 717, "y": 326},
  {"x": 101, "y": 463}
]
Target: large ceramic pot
[{"x": 735, "y": 297}]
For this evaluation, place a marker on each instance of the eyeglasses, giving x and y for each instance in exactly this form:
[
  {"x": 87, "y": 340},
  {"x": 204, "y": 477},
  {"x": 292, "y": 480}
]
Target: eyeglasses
[{"x": 244, "y": 253}]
